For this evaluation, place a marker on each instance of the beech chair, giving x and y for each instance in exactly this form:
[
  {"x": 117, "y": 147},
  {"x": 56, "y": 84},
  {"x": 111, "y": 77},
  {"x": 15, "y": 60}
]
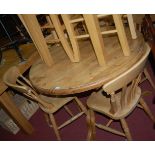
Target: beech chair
[
  {"x": 49, "y": 105},
  {"x": 94, "y": 31},
  {"x": 123, "y": 96}
]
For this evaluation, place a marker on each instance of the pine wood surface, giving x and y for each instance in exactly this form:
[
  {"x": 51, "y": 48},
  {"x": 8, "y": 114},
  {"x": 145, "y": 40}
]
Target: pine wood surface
[
  {"x": 48, "y": 104},
  {"x": 119, "y": 98},
  {"x": 65, "y": 77}
]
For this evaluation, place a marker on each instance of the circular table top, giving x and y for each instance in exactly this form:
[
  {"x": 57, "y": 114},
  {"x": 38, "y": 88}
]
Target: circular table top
[{"x": 66, "y": 77}]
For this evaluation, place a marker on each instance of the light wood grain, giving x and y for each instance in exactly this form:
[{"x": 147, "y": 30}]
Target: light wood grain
[
  {"x": 96, "y": 38},
  {"x": 122, "y": 96},
  {"x": 49, "y": 104},
  {"x": 131, "y": 26},
  {"x": 71, "y": 34},
  {"x": 31, "y": 23},
  {"x": 121, "y": 34},
  {"x": 69, "y": 78},
  {"x": 61, "y": 36}
]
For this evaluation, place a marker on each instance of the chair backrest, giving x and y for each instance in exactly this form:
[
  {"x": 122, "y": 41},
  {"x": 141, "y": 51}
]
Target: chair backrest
[
  {"x": 94, "y": 31},
  {"x": 128, "y": 75},
  {"x": 130, "y": 93},
  {"x": 14, "y": 79}
]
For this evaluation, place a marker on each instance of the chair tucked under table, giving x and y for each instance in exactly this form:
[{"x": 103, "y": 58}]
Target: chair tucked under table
[{"x": 50, "y": 105}]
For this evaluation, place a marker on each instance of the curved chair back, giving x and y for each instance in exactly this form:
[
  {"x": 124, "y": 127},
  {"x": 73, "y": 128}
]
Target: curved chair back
[
  {"x": 129, "y": 75},
  {"x": 14, "y": 79},
  {"x": 130, "y": 94}
]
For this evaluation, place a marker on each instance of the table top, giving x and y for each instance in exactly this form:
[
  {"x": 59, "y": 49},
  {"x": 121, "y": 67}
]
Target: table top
[{"x": 66, "y": 77}]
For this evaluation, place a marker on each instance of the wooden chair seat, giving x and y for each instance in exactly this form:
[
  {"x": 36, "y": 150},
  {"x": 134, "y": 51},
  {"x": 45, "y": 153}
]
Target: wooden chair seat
[
  {"x": 57, "y": 102},
  {"x": 122, "y": 95},
  {"x": 48, "y": 104},
  {"x": 101, "y": 103}
]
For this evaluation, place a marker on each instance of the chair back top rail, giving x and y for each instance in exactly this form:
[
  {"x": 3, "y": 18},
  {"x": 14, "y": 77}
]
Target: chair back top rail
[
  {"x": 128, "y": 75},
  {"x": 18, "y": 82}
]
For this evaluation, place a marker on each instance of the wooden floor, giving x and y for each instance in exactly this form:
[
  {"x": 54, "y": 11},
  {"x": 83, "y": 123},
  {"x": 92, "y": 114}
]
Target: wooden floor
[{"x": 11, "y": 58}]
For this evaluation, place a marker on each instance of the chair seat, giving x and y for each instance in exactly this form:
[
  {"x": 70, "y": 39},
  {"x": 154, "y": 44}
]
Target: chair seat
[
  {"x": 57, "y": 102},
  {"x": 101, "y": 103}
]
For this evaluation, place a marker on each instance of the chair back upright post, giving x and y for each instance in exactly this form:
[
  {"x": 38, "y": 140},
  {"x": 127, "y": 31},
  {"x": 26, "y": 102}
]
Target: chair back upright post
[
  {"x": 32, "y": 26},
  {"x": 71, "y": 34},
  {"x": 18, "y": 82},
  {"x": 132, "y": 26},
  {"x": 93, "y": 31},
  {"x": 96, "y": 37},
  {"x": 121, "y": 34},
  {"x": 61, "y": 35}
]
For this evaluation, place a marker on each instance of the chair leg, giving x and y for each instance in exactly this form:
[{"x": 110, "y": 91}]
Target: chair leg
[
  {"x": 147, "y": 75},
  {"x": 47, "y": 119},
  {"x": 83, "y": 108},
  {"x": 126, "y": 128},
  {"x": 68, "y": 111},
  {"x": 91, "y": 125},
  {"x": 147, "y": 109},
  {"x": 55, "y": 128}
]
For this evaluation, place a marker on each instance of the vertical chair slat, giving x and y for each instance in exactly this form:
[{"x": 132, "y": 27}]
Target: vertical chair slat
[
  {"x": 32, "y": 25},
  {"x": 61, "y": 36},
  {"x": 121, "y": 34},
  {"x": 96, "y": 37},
  {"x": 71, "y": 33}
]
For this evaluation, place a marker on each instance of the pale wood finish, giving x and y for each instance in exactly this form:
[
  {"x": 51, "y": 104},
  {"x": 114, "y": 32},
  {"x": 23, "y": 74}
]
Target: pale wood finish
[
  {"x": 23, "y": 22},
  {"x": 50, "y": 25},
  {"x": 92, "y": 25},
  {"x": 33, "y": 27},
  {"x": 48, "y": 104},
  {"x": 71, "y": 33},
  {"x": 131, "y": 26},
  {"x": 95, "y": 34},
  {"x": 124, "y": 95},
  {"x": 127, "y": 76},
  {"x": 90, "y": 119},
  {"x": 6, "y": 101},
  {"x": 52, "y": 37},
  {"x": 121, "y": 34},
  {"x": 126, "y": 129},
  {"x": 61, "y": 36},
  {"x": 70, "y": 78},
  {"x": 96, "y": 38}
]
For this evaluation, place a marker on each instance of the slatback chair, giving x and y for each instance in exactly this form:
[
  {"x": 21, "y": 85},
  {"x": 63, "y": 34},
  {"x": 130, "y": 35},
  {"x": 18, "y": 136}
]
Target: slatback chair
[
  {"x": 123, "y": 95},
  {"x": 49, "y": 105},
  {"x": 94, "y": 31}
]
